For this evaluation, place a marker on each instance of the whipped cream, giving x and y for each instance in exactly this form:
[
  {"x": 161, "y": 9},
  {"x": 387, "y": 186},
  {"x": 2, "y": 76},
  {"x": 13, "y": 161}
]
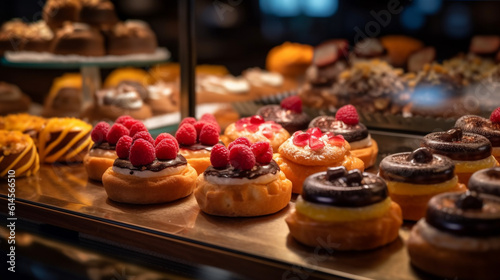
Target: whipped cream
[
  {"x": 363, "y": 143},
  {"x": 224, "y": 85},
  {"x": 159, "y": 91},
  {"x": 150, "y": 174},
  {"x": 260, "y": 77},
  {"x": 261, "y": 180}
]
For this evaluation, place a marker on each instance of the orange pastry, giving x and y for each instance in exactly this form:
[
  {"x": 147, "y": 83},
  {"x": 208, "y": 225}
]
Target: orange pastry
[
  {"x": 17, "y": 153},
  {"x": 126, "y": 74},
  {"x": 400, "y": 47},
  {"x": 65, "y": 97},
  {"x": 25, "y": 123},
  {"x": 306, "y": 153},
  {"x": 289, "y": 59}
]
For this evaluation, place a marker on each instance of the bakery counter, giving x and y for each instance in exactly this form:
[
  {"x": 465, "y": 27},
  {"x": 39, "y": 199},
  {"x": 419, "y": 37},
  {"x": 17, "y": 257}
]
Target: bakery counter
[{"x": 261, "y": 247}]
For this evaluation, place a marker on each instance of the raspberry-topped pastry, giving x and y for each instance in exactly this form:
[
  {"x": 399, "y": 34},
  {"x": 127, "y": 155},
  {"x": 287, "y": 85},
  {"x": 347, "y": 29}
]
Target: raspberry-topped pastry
[
  {"x": 351, "y": 210},
  {"x": 459, "y": 237},
  {"x": 256, "y": 129},
  {"x": 146, "y": 172},
  {"x": 243, "y": 181},
  {"x": 196, "y": 140},
  {"x": 346, "y": 123},
  {"x": 470, "y": 152},
  {"x": 288, "y": 114},
  {"x": 306, "y": 153}
]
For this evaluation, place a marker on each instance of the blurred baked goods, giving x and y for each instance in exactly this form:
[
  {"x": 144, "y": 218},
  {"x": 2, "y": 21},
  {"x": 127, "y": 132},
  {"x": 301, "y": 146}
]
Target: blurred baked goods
[
  {"x": 11, "y": 35},
  {"x": 56, "y": 12},
  {"x": 170, "y": 72},
  {"x": 37, "y": 37},
  {"x": 128, "y": 74},
  {"x": 211, "y": 88},
  {"x": 65, "y": 97},
  {"x": 163, "y": 98},
  {"x": 79, "y": 39},
  {"x": 98, "y": 13},
  {"x": 131, "y": 37},
  {"x": 485, "y": 45},
  {"x": 18, "y": 155},
  {"x": 266, "y": 83},
  {"x": 485, "y": 181},
  {"x": 25, "y": 123},
  {"x": 289, "y": 59},
  {"x": 399, "y": 48},
  {"x": 12, "y": 100}
]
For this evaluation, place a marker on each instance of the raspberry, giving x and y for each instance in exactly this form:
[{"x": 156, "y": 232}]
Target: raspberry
[
  {"x": 198, "y": 126},
  {"x": 189, "y": 120},
  {"x": 141, "y": 153},
  {"x": 186, "y": 134},
  {"x": 348, "y": 115},
  {"x": 301, "y": 138},
  {"x": 122, "y": 119},
  {"x": 257, "y": 119},
  {"x": 99, "y": 132},
  {"x": 209, "y": 118},
  {"x": 495, "y": 115},
  {"x": 123, "y": 146},
  {"x": 129, "y": 123},
  {"x": 263, "y": 152},
  {"x": 219, "y": 157},
  {"x": 115, "y": 132},
  {"x": 240, "y": 140},
  {"x": 315, "y": 143},
  {"x": 137, "y": 128},
  {"x": 163, "y": 136},
  {"x": 314, "y": 131},
  {"x": 268, "y": 132},
  {"x": 241, "y": 157},
  {"x": 209, "y": 135},
  {"x": 292, "y": 103},
  {"x": 167, "y": 149},
  {"x": 144, "y": 135}
]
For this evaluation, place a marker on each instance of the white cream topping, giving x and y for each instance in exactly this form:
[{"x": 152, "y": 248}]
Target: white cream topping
[
  {"x": 261, "y": 180},
  {"x": 224, "y": 85},
  {"x": 443, "y": 239},
  {"x": 159, "y": 91},
  {"x": 260, "y": 77},
  {"x": 363, "y": 143},
  {"x": 111, "y": 154},
  {"x": 169, "y": 171}
]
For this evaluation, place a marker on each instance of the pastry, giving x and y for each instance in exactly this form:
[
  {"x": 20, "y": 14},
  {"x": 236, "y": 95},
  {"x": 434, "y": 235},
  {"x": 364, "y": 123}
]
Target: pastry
[
  {"x": 196, "y": 139},
  {"x": 56, "y": 12},
  {"x": 350, "y": 211},
  {"x": 243, "y": 181},
  {"x": 127, "y": 74},
  {"x": 346, "y": 123},
  {"x": 213, "y": 89},
  {"x": 25, "y": 123},
  {"x": 489, "y": 128},
  {"x": 486, "y": 45},
  {"x": 163, "y": 98},
  {"x": 256, "y": 129},
  {"x": 368, "y": 48},
  {"x": 12, "y": 100},
  {"x": 414, "y": 177},
  {"x": 399, "y": 48},
  {"x": 306, "y": 153},
  {"x": 288, "y": 114},
  {"x": 170, "y": 72},
  {"x": 12, "y": 35},
  {"x": 37, "y": 37},
  {"x": 289, "y": 59},
  {"x": 486, "y": 181},
  {"x": 148, "y": 174},
  {"x": 470, "y": 152},
  {"x": 459, "y": 237},
  {"x": 78, "y": 39},
  {"x": 18, "y": 155},
  {"x": 98, "y": 13},
  {"x": 131, "y": 37},
  {"x": 65, "y": 97},
  {"x": 266, "y": 83},
  {"x": 64, "y": 140}
]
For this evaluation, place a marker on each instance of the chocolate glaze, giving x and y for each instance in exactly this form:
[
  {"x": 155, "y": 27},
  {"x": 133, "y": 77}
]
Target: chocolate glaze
[
  {"x": 486, "y": 181},
  {"x": 104, "y": 146},
  {"x": 470, "y": 220},
  {"x": 230, "y": 172},
  {"x": 69, "y": 136},
  {"x": 468, "y": 147},
  {"x": 288, "y": 119},
  {"x": 350, "y": 189},
  {"x": 351, "y": 133},
  {"x": 155, "y": 166},
  {"x": 198, "y": 147},
  {"x": 402, "y": 167},
  {"x": 481, "y": 126}
]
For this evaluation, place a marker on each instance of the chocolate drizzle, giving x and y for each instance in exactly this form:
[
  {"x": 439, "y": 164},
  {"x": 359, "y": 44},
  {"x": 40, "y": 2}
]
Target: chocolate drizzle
[
  {"x": 155, "y": 166},
  {"x": 351, "y": 133},
  {"x": 197, "y": 147},
  {"x": 104, "y": 146},
  {"x": 481, "y": 126},
  {"x": 464, "y": 147},
  {"x": 288, "y": 119},
  {"x": 486, "y": 181},
  {"x": 230, "y": 172}
]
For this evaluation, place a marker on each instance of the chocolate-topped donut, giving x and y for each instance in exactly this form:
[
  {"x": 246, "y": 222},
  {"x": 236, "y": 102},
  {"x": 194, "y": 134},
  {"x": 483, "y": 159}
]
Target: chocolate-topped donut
[
  {"x": 337, "y": 187},
  {"x": 486, "y": 181},
  {"x": 351, "y": 133},
  {"x": 458, "y": 145},
  {"x": 481, "y": 126},
  {"x": 288, "y": 119},
  {"x": 231, "y": 172},
  {"x": 467, "y": 214},
  {"x": 419, "y": 167},
  {"x": 155, "y": 166}
]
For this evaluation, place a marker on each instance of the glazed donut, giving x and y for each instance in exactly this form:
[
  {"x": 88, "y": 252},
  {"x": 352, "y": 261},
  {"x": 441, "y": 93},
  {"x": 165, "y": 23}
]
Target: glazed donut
[
  {"x": 486, "y": 181},
  {"x": 349, "y": 209},
  {"x": 18, "y": 153},
  {"x": 484, "y": 127}
]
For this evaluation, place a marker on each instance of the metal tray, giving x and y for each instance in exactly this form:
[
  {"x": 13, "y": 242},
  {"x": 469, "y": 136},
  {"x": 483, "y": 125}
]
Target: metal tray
[{"x": 258, "y": 247}]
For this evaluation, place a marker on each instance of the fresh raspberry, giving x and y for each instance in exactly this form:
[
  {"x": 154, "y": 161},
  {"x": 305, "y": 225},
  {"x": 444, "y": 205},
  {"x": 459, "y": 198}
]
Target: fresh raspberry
[
  {"x": 219, "y": 156},
  {"x": 240, "y": 140},
  {"x": 144, "y": 135},
  {"x": 115, "y": 132},
  {"x": 348, "y": 115},
  {"x": 336, "y": 140},
  {"x": 189, "y": 120},
  {"x": 141, "y": 153},
  {"x": 198, "y": 126},
  {"x": 164, "y": 135},
  {"x": 123, "y": 146},
  {"x": 99, "y": 132},
  {"x": 315, "y": 143},
  {"x": 301, "y": 138},
  {"x": 208, "y": 118},
  {"x": 167, "y": 149},
  {"x": 241, "y": 157},
  {"x": 292, "y": 103},
  {"x": 268, "y": 132},
  {"x": 257, "y": 119},
  {"x": 209, "y": 135},
  {"x": 138, "y": 127},
  {"x": 186, "y": 134},
  {"x": 122, "y": 119},
  {"x": 263, "y": 152},
  {"x": 315, "y": 132},
  {"x": 130, "y": 122},
  {"x": 495, "y": 115}
]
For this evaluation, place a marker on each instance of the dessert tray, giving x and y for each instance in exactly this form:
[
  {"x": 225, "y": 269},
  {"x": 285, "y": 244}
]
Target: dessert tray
[{"x": 257, "y": 248}]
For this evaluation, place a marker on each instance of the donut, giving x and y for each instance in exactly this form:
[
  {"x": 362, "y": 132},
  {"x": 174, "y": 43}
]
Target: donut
[
  {"x": 18, "y": 153},
  {"x": 470, "y": 152},
  {"x": 25, "y": 123},
  {"x": 486, "y": 181},
  {"x": 459, "y": 238},
  {"x": 256, "y": 129},
  {"x": 351, "y": 210},
  {"x": 288, "y": 114},
  {"x": 484, "y": 127},
  {"x": 414, "y": 177},
  {"x": 306, "y": 153}
]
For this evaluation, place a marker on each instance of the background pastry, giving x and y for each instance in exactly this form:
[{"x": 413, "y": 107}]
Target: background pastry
[
  {"x": 130, "y": 37},
  {"x": 79, "y": 39},
  {"x": 65, "y": 97},
  {"x": 12, "y": 100}
]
